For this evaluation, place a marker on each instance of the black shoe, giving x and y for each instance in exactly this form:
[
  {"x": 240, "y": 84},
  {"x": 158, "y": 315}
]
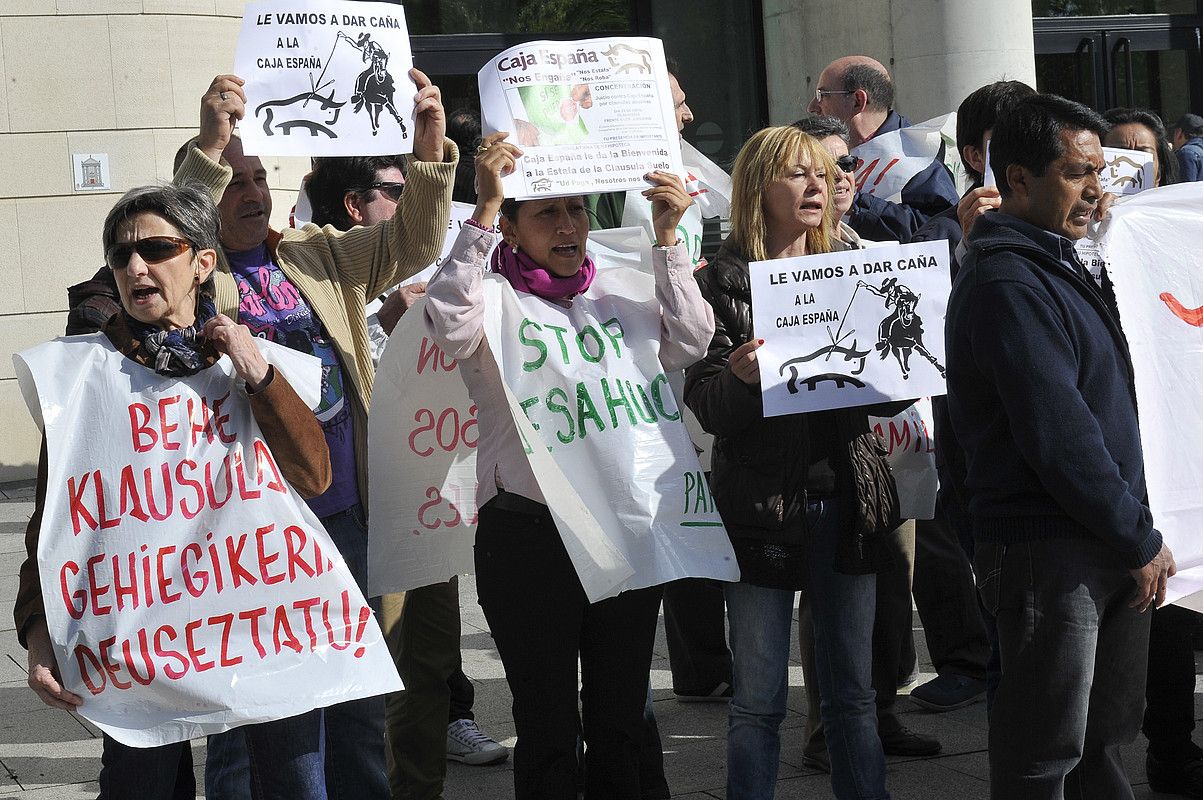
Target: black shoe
[
  {"x": 1183, "y": 778},
  {"x": 904, "y": 742},
  {"x": 947, "y": 692},
  {"x": 722, "y": 692}
]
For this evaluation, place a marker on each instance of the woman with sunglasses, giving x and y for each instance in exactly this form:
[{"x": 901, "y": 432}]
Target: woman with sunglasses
[
  {"x": 805, "y": 498},
  {"x": 161, "y": 244}
]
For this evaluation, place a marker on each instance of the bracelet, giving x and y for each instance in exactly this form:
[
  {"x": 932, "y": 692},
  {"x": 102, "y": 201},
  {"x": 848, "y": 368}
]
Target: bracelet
[
  {"x": 677, "y": 243},
  {"x": 476, "y": 224}
]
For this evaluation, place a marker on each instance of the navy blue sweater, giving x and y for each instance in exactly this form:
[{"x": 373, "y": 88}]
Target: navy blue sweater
[{"x": 1041, "y": 395}]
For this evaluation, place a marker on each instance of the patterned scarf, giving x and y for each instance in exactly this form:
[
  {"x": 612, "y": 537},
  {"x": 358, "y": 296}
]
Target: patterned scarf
[
  {"x": 176, "y": 353},
  {"x": 526, "y": 276}
]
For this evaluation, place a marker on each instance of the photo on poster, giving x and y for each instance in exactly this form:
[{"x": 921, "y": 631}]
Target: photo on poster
[
  {"x": 590, "y": 116},
  {"x": 326, "y": 79}
]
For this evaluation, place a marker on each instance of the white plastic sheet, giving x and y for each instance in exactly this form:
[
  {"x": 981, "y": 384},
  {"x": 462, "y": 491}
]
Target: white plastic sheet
[{"x": 188, "y": 588}]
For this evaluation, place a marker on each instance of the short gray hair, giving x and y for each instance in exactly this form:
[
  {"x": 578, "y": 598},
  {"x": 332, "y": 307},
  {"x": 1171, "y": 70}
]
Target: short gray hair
[
  {"x": 822, "y": 127},
  {"x": 189, "y": 208}
]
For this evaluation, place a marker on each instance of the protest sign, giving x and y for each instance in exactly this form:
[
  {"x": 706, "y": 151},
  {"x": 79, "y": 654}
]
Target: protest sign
[
  {"x": 911, "y": 452},
  {"x": 188, "y": 588},
  {"x": 591, "y": 400},
  {"x": 422, "y": 457},
  {"x": 590, "y": 116},
  {"x": 1127, "y": 171},
  {"x": 851, "y": 328},
  {"x": 891, "y": 159},
  {"x": 1150, "y": 242},
  {"x": 325, "y": 78}
]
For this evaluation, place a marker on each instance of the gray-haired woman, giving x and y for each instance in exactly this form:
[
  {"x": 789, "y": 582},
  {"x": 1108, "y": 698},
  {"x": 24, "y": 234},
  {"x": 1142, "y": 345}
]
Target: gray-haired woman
[{"x": 161, "y": 244}]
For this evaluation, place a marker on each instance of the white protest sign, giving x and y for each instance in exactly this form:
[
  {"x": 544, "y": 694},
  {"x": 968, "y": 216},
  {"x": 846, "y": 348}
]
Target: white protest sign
[
  {"x": 188, "y": 588},
  {"x": 590, "y": 116},
  {"x": 422, "y": 447},
  {"x": 325, "y": 78},
  {"x": 911, "y": 453},
  {"x": 604, "y": 434},
  {"x": 892, "y": 159},
  {"x": 1151, "y": 243},
  {"x": 851, "y": 328},
  {"x": 1127, "y": 171},
  {"x": 422, "y": 438}
]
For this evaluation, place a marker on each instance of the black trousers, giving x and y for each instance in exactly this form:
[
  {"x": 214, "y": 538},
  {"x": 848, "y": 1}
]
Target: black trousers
[
  {"x": 543, "y": 624},
  {"x": 1170, "y": 693}
]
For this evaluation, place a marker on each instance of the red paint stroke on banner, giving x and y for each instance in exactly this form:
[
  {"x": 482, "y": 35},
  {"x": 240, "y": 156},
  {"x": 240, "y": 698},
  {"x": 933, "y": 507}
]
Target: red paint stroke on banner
[{"x": 1191, "y": 316}]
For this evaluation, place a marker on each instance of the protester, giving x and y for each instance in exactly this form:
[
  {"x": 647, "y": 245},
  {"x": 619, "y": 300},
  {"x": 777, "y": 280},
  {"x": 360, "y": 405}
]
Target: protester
[
  {"x": 1188, "y": 140},
  {"x": 307, "y": 289},
  {"x": 431, "y": 720},
  {"x": 523, "y": 571},
  {"x": 893, "y": 641},
  {"x": 859, "y": 91},
  {"x": 1041, "y": 398},
  {"x": 1173, "y": 763},
  {"x": 944, "y": 592},
  {"x": 806, "y": 498},
  {"x": 161, "y": 244}
]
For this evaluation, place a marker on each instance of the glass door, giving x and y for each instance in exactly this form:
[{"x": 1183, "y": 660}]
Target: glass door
[{"x": 1150, "y": 61}]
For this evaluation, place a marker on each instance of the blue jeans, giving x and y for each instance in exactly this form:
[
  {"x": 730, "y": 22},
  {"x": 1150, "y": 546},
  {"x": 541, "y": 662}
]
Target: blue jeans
[
  {"x": 352, "y": 733},
  {"x": 759, "y": 620}
]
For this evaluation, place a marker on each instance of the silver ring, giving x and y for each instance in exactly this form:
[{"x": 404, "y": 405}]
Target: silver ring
[{"x": 222, "y": 95}]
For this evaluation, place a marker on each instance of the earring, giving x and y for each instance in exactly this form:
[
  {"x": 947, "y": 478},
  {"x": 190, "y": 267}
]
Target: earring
[{"x": 514, "y": 247}]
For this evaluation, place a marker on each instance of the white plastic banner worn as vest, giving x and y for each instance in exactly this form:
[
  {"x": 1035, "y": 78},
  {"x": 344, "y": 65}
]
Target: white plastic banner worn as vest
[
  {"x": 892, "y": 159},
  {"x": 188, "y": 588},
  {"x": 422, "y": 457},
  {"x": 1150, "y": 242},
  {"x": 604, "y": 434}
]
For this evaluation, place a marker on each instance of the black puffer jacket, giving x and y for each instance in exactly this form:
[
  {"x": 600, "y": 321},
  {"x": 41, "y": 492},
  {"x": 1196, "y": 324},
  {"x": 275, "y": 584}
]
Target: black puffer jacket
[{"x": 761, "y": 466}]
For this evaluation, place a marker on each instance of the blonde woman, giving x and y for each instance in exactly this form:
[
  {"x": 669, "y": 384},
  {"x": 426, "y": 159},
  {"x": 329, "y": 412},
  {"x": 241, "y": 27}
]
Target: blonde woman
[{"x": 805, "y": 498}]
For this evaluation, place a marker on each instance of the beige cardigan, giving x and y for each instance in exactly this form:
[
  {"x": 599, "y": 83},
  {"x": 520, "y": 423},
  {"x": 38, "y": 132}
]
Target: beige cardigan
[{"x": 337, "y": 272}]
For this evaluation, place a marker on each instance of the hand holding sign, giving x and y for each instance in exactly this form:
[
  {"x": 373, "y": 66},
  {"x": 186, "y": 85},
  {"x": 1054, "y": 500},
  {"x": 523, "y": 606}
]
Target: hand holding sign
[
  {"x": 669, "y": 201},
  {"x": 234, "y": 340},
  {"x": 430, "y": 123},
  {"x": 743, "y": 363},
  {"x": 222, "y": 107},
  {"x": 976, "y": 203},
  {"x": 44, "y": 677},
  {"x": 495, "y": 158}
]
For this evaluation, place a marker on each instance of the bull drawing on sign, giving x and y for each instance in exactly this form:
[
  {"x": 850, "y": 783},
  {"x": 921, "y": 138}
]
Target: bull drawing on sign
[{"x": 625, "y": 58}]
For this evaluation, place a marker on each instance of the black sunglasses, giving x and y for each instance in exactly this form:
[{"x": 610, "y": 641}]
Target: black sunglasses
[
  {"x": 152, "y": 250},
  {"x": 849, "y": 163},
  {"x": 390, "y": 189}
]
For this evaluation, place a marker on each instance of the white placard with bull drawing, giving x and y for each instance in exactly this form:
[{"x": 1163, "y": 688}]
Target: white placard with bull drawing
[
  {"x": 593, "y": 115},
  {"x": 1127, "y": 171},
  {"x": 326, "y": 79},
  {"x": 851, "y": 328}
]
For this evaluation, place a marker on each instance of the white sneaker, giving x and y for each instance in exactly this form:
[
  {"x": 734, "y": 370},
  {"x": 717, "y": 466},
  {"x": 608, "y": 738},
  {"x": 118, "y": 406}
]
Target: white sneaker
[{"x": 466, "y": 744}]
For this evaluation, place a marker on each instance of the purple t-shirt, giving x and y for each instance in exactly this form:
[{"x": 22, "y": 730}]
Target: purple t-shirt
[{"x": 273, "y": 309}]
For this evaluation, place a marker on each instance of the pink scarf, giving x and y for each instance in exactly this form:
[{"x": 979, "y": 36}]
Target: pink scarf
[{"x": 526, "y": 276}]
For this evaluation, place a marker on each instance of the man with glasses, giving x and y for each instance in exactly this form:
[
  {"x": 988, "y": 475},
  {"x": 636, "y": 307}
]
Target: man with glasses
[{"x": 859, "y": 91}]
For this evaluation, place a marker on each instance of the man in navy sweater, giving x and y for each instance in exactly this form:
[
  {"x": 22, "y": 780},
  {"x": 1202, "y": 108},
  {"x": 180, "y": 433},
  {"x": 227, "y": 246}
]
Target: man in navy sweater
[{"x": 1041, "y": 395}]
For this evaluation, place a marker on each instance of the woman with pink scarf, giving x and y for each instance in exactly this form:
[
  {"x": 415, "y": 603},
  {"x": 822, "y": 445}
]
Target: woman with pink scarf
[{"x": 532, "y": 598}]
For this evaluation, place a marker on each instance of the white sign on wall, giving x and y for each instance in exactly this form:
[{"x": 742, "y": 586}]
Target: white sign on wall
[{"x": 90, "y": 171}]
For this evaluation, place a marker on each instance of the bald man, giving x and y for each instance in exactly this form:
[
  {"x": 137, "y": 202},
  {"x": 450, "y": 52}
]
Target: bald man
[{"x": 859, "y": 91}]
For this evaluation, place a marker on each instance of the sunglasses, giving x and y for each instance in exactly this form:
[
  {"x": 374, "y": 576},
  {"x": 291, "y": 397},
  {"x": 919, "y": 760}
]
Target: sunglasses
[
  {"x": 849, "y": 163},
  {"x": 152, "y": 250},
  {"x": 390, "y": 189}
]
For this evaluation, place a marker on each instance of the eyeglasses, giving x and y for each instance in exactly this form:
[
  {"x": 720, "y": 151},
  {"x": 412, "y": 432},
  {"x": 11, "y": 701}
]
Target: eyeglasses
[
  {"x": 390, "y": 189},
  {"x": 152, "y": 250},
  {"x": 849, "y": 163},
  {"x": 821, "y": 93}
]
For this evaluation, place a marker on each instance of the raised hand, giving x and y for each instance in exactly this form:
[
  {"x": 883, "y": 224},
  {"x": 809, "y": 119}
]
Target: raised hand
[
  {"x": 495, "y": 158},
  {"x": 669, "y": 201},
  {"x": 430, "y": 125},
  {"x": 222, "y": 106}
]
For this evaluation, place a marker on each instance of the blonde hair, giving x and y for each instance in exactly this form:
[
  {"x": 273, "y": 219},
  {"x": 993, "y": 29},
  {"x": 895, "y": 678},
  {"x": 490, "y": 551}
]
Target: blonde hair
[{"x": 765, "y": 158}]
